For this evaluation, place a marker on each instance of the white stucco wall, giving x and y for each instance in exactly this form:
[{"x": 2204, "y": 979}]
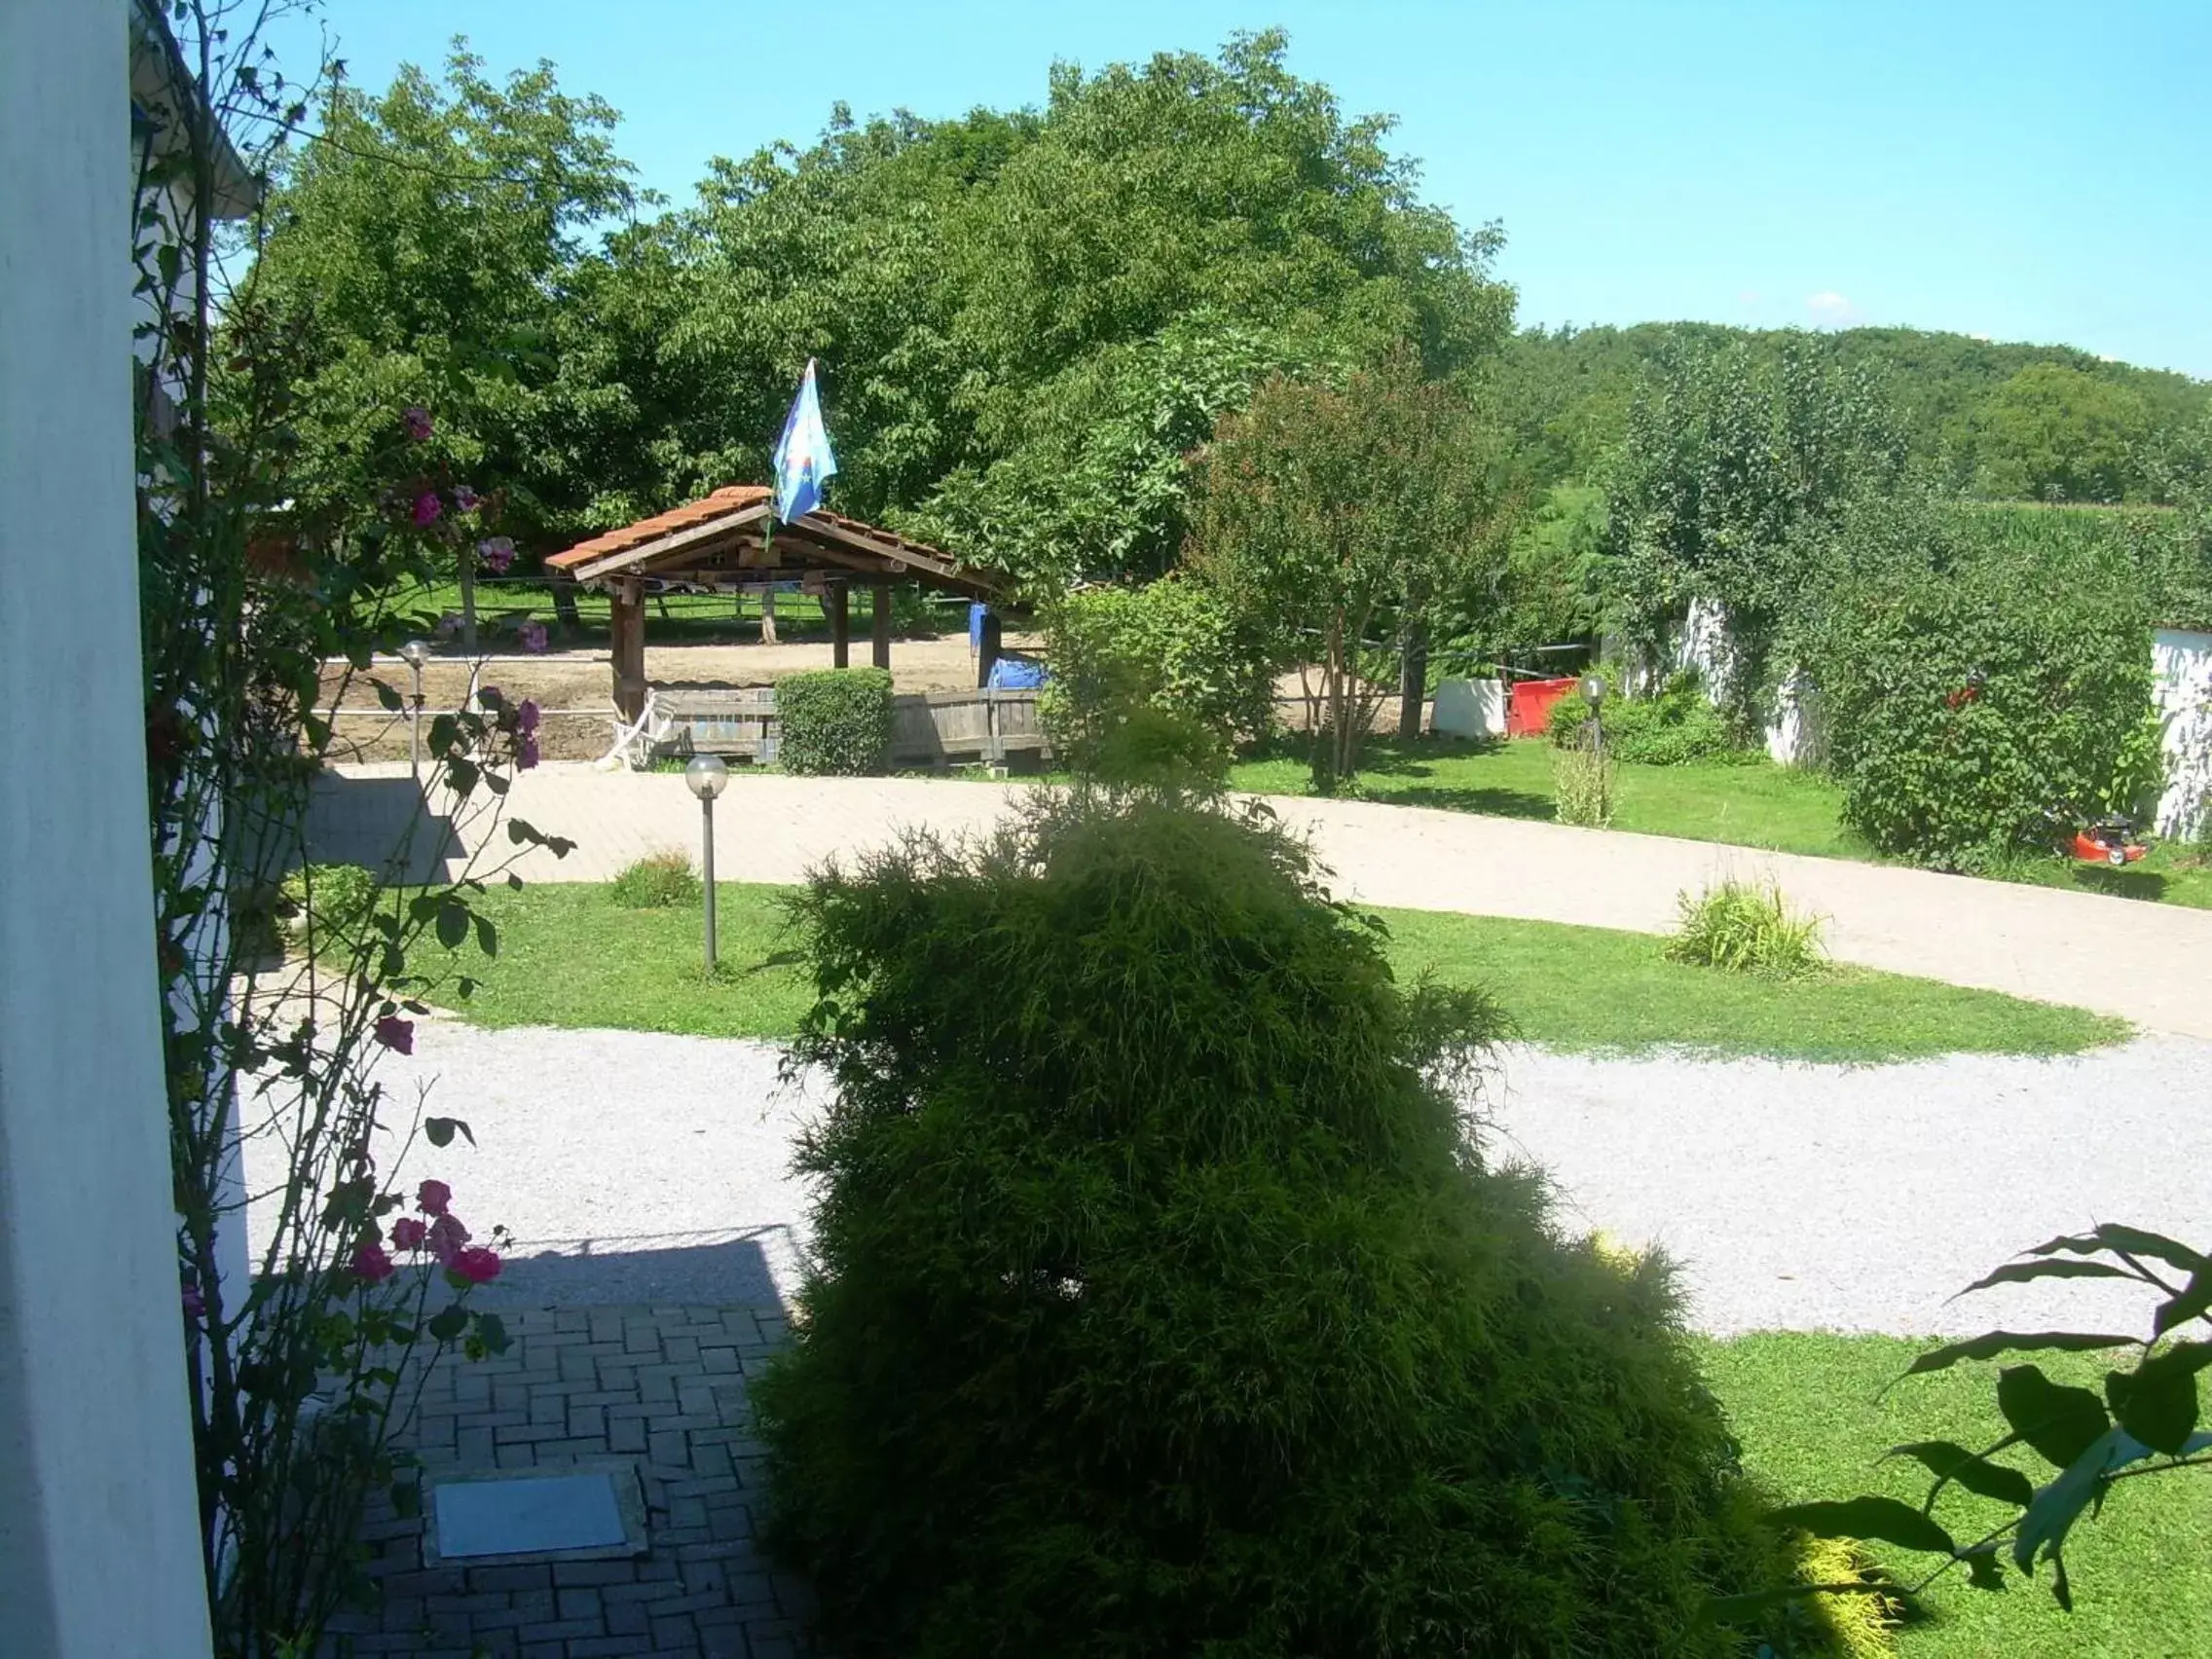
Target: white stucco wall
[
  {"x": 1797, "y": 735},
  {"x": 2180, "y": 662},
  {"x": 98, "y": 1549}
]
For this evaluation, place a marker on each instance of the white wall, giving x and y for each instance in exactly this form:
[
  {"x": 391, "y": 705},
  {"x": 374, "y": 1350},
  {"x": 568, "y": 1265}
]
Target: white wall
[
  {"x": 2181, "y": 663},
  {"x": 98, "y": 1550}
]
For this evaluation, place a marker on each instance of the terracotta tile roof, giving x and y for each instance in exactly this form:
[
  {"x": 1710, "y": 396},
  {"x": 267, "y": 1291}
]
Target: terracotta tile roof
[
  {"x": 728, "y": 500},
  {"x": 734, "y": 499}
]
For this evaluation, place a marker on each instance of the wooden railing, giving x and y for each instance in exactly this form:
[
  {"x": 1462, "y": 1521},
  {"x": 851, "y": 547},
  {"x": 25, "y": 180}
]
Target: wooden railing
[{"x": 928, "y": 728}]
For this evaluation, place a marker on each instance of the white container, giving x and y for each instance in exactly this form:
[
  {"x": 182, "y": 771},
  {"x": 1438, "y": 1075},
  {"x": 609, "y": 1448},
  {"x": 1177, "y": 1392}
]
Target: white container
[{"x": 1468, "y": 708}]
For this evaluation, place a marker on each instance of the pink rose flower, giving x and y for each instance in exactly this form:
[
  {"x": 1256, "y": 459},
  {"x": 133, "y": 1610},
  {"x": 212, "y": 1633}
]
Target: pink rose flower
[
  {"x": 464, "y": 498},
  {"x": 526, "y": 751},
  {"x": 532, "y": 636},
  {"x": 497, "y": 552},
  {"x": 418, "y": 421},
  {"x": 526, "y": 715},
  {"x": 427, "y": 507},
  {"x": 371, "y": 1263},
  {"x": 396, "y": 1034},
  {"x": 478, "y": 1266},
  {"x": 408, "y": 1233},
  {"x": 447, "y": 1236},
  {"x": 432, "y": 1196}
]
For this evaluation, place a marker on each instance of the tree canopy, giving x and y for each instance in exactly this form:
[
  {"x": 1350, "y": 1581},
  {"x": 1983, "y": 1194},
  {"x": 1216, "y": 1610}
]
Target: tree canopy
[{"x": 1025, "y": 320}]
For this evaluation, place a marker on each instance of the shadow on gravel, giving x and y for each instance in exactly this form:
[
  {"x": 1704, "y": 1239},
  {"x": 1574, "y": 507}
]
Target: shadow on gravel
[{"x": 653, "y": 1269}]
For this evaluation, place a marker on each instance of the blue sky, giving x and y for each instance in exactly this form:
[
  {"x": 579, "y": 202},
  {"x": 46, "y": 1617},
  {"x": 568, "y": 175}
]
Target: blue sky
[{"x": 2029, "y": 171}]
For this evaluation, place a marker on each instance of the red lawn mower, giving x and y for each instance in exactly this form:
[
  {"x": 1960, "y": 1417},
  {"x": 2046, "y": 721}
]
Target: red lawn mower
[{"x": 2108, "y": 840}]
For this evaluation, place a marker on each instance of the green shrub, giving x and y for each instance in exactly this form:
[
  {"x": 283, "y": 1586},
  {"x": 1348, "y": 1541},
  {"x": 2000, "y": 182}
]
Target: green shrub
[
  {"x": 1164, "y": 1304},
  {"x": 658, "y": 881},
  {"x": 1169, "y": 645},
  {"x": 1584, "y": 786},
  {"x": 1981, "y": 709},
  {"x": 1676, "y": 725},
  {"x": 1747, "y": 928},
  {"x": 837, "y": 721},
  {"x": 331, "y": 900}
]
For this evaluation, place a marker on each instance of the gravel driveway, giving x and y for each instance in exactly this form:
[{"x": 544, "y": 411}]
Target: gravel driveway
[{"x": 642, "y": 1168}]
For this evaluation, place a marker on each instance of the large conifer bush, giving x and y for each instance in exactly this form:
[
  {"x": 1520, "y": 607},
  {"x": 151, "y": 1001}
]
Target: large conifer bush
[{"x": 1167, "y": 1304}]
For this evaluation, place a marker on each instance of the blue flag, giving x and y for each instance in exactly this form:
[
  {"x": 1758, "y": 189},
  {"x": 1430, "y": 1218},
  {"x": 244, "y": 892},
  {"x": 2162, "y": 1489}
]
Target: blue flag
[{"x": 803, "y": 456}]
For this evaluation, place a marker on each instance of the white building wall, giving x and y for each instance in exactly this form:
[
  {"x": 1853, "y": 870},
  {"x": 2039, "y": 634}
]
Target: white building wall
[
  {"x": 2180, "y": 662},
  {"x": 99, "y": 1554}
]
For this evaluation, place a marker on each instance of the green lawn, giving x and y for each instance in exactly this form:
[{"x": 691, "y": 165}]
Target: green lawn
[
  {"x": 1755, "y": 805},
  {"x": 1814, "y": 1423},
  {"x": 570, "y": 956}
]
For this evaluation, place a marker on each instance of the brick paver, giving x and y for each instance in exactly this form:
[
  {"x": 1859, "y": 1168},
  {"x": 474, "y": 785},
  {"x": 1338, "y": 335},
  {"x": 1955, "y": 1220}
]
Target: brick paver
[{"x": 662, "y": 1385}]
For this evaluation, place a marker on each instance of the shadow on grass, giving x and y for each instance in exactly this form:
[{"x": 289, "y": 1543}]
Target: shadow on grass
[
  {"x": 2143, "y": 884},
  {"x": 1492, "y": 803}
]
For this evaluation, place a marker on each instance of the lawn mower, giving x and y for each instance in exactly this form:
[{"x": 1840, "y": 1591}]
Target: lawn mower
[{"x": 2108, "y": 840}]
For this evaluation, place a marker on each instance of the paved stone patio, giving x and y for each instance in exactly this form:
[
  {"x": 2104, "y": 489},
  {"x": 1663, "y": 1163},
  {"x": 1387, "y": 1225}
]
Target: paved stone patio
[{"x": 662, "y": 1385}]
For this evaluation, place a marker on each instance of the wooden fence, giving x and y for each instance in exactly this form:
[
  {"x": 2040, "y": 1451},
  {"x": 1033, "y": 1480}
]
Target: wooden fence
[{"x": 928, "y": 728}]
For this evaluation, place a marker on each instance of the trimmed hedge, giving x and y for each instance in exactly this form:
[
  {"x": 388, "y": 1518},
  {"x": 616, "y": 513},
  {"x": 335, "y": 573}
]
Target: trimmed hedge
[
  {"x": 836, "y": 720},
  {"x": 1165, "y": 1304}
]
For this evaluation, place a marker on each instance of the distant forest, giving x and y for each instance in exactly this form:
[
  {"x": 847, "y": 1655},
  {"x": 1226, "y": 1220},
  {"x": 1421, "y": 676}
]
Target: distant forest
[{"x": 2003, "y": 422}]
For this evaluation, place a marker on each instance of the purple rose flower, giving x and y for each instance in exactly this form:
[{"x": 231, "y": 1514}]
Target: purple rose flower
[
  {"x": 497, "y": 552},
  {"x": 418, "y": 421},
  {"x": 527, "y": 713},
  {"x": 526, "y": 751},
  {"x": 427, "y": 507},
  {"x": 532, "y": 636},
  {"x": 396, "y": 1034},
  {"x": 464, "y": 498}
]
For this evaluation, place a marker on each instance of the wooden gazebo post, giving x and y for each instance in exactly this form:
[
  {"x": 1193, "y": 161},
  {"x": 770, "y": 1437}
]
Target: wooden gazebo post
[
  {"x": 835, "y": 602},
  {"x": 880, "y": 624},
  {"x": 626, "y": 606}
]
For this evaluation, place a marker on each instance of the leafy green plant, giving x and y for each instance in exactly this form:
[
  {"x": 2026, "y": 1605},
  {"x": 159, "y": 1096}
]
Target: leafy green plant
[
  {"x": 1745, "y": 927},
  {"x": 1982, "y": 705},
  {"x": 658, "y": 881},
  {"x": 1169, "y": 645},
  {"x": 837, "y": 721},
  {"x": 1166, "y": 1304},
  {"x": 1585, "y": 783},
  {"x": 337, "y": 898},
  {"x": 2144, "y": 1424},
  {"x": 1674, "y": 726}
]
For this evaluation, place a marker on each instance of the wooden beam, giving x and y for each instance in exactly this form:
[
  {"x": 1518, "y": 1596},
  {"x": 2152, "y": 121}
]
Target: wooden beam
[
  {"x": 627, "y": 607},
  {"x": 833, "y": 601},
  {"x": 879, "y": 623},
  {"x": 902, "y": 553},
  {"x": 630, "y": 558}
]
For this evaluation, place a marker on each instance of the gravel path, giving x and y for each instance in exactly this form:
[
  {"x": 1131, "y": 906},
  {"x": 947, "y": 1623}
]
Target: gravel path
[
  {"x": 642, "y": 1168},
  {"x": 2147, "y": 963}
]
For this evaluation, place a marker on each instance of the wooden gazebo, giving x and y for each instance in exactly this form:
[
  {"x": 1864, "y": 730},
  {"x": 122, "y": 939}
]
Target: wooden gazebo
[{"x": 724, "y": 544}]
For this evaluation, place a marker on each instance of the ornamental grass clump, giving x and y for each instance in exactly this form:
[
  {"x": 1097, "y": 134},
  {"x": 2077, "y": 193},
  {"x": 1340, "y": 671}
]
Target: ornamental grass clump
[
  {"x": 658, "y": 881},
  {"x": 1745, "y": 927},
  {"x": 1165, "y": 1302}
]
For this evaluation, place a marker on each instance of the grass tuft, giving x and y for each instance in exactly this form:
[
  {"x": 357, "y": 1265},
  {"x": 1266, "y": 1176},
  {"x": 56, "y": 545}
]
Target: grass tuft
[{"x": 1745, "y": 927}]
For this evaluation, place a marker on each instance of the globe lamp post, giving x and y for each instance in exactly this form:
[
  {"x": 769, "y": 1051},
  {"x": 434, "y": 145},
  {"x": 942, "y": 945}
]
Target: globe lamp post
[
  {"x": 1594, "y": 698},
  {"x": 415, "y": 653},
  {"x": 707, "y": 776}
]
